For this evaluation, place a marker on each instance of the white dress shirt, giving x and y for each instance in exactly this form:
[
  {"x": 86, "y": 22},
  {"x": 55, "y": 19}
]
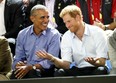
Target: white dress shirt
[{"x": 93, "y": 44}]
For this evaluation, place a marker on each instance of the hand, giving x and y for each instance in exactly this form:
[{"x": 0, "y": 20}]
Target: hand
[
  {"x": 99, "y": 24},
  {"x": 91, "y": 60},
  {"x": 20, "y": 63},
  {"x": 21, "y": 71},
  {"x": 26, "y": 2},
  {"x": 44, "y": 54}
]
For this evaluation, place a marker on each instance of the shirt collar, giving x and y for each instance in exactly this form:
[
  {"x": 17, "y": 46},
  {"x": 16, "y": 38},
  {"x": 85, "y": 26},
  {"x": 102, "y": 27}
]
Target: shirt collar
[
  {"x": 86, "y": 32},
  {"x": 43, "y": 33}
]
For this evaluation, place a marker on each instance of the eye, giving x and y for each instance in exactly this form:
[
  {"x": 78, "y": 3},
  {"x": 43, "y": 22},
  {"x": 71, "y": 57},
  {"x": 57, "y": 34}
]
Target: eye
[
  {"x": 42, "y": 17},
  {"x": 47, "y": 16}
]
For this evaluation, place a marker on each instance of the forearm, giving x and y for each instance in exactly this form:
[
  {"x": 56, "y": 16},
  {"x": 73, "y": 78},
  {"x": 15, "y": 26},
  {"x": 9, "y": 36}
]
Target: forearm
[
  {"x": 112, "y": 26},
  {"x": 56, "y": 61},
  {"x": 60, "y": 63}
]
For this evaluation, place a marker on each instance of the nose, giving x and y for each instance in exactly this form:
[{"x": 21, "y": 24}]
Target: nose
[
  {"x": 46, "y": 19},
  {"x": 67, "y": 25}
]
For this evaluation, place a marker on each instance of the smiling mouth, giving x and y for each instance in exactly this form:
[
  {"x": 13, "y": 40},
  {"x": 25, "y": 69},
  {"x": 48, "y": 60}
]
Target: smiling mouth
[{"x": 45, "y": 24}]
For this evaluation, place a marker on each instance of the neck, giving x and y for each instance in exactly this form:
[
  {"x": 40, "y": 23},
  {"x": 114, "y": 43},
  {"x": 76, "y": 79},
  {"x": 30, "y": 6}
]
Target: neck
[
  {"x": 80, "y": 31},
  {"x": 37, "y": 31}
]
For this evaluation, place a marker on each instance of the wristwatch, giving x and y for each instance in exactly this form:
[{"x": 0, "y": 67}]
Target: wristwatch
[
  {"x": 34, "y": 67},
  {"x": 106, "y": 27}
]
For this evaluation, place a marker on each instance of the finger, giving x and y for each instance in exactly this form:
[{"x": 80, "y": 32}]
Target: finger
[
  {"x": 97, "y": 20},
  {"x": 38, "y": 53},
  {"x": 91, "y": 59},
  {"x": 42, "y": 53},
  {"x": 20, "y": 74},
  {"x": 88, "y": 59},
  {"x": 20, "y": 63},
  {"x": 17, "y": 70}
]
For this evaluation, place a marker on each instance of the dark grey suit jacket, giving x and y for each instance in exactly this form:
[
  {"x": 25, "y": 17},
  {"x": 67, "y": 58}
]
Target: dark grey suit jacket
[
  {"x": 13, "y": 18},
  {"x": 12, "y": 21}
]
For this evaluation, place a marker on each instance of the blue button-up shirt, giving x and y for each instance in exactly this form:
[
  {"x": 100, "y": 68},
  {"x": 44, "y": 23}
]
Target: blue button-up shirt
[{"x": 28, "y": 43}]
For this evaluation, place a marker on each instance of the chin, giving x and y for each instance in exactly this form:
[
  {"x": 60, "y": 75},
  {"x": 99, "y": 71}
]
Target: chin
[
  {"x": 71, "y": 30},
  {"x": 44, "y": 28}
]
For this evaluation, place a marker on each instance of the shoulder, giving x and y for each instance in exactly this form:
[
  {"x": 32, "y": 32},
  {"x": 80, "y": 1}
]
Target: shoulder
[
  {"x": 14, "y": 4},
  {"x": 4, "y": 46},
  {"x": 25, "y": 30},
  {"x": 67, "y": 34},
  {"x": 94, "y": 29},
  {"x": 52, "y": 31},
  {"x": 24, "y": 33},
  {"x": 3, "y": 77},
  {"x": 14, "y": 1},
  {"x": 96, "y": 32},
  {"x": 2, "y": 40}
]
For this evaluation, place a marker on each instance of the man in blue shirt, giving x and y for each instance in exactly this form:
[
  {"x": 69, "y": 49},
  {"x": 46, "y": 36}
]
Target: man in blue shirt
[{"x": 36, "y": 37}]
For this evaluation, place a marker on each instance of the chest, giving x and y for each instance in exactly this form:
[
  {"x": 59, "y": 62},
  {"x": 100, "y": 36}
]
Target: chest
[{"x": 84, "y": 46}]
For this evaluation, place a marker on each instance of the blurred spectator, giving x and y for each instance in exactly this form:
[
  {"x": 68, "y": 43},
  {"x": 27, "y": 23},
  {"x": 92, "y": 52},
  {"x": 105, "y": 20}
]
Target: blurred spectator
[
  {"x": 112, "y": 50},
  {"x": 110, "y": 32},
  {"x": 10, "y": 21},
  {"x": 103, "y": 10},
  {"x": 110, "y": 26},
  {"x": 5, "y": 59}
]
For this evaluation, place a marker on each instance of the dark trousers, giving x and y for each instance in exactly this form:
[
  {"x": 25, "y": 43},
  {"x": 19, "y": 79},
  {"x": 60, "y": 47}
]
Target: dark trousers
[
  {"x": 74, "y": 71},
  {"x": 36, "y": 74}
]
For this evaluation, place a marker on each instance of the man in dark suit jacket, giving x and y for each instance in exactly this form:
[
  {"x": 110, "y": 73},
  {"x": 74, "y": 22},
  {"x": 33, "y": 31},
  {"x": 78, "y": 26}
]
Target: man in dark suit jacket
[
  {"x": 57, "y": 9},
  {"x": 16, "y": 17},
  {"x": 13, "y": 21},
  {"x": 106, "y": 11},
  {"x": 5, "y": 58}
]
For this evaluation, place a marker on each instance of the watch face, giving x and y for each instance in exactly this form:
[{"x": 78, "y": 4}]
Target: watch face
[{"x": 34, "y": 67}]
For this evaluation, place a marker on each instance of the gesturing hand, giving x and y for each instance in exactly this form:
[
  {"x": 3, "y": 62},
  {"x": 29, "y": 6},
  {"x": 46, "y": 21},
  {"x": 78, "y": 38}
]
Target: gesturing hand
[{"x": 44, "y": 54}]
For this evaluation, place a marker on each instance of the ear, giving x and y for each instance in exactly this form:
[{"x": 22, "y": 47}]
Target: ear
[
  {"x": 32, "y": 18},
  {"x": 78, "y": 17}
]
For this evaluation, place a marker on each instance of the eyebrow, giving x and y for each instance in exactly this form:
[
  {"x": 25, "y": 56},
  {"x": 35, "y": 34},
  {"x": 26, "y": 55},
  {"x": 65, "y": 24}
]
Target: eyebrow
[{"x": 44, "y": 17}]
